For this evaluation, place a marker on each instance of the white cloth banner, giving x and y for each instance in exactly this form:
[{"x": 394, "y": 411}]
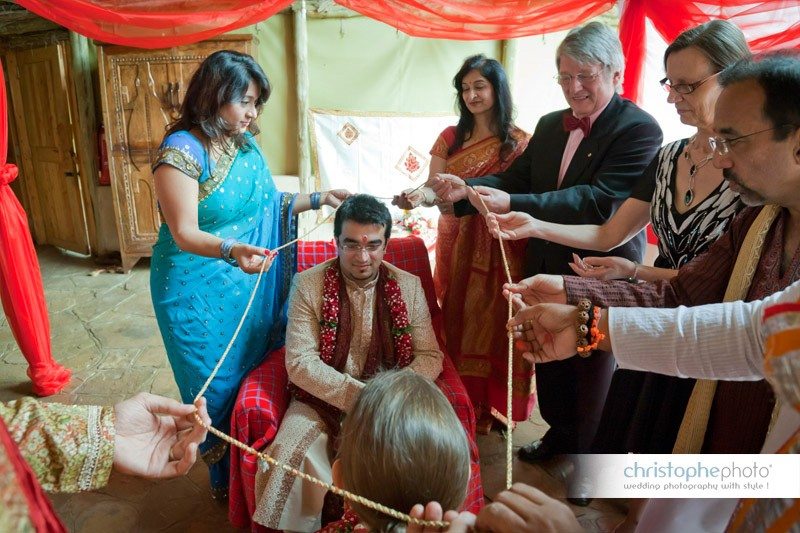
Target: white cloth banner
[{"x": 373, "y": 153}]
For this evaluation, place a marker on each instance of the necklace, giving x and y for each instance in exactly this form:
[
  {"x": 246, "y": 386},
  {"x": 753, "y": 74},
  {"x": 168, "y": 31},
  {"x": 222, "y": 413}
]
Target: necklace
[{"x": 688, "y": 198}]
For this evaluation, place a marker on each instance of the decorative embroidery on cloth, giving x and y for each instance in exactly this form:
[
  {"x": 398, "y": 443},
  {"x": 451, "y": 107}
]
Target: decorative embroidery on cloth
[
  {"x": 52, "y": 439},
  {"x": 218, "y": 175},
  {"x": 181, "y": 160},
  {"x": 390, "y": 346},
  {"x": 329, "y": 325},
  {"x": 85, "y": 481}
]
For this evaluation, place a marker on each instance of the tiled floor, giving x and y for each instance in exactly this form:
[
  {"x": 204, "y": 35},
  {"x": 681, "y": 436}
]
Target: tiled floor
[{"x": 103, "y": 327}]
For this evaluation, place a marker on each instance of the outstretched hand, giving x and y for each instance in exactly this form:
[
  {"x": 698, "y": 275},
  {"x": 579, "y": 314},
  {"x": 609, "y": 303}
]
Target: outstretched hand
[
  {"x": 459, "y": 522},
  {"x": 546, "y": 332},
  {"x": 604, "y": 268},
  {"x": 335, "y": 197},
  {"x": 488, "y": 199},
  {"x": 448, "y": 187},
  {"x": 157, "y": 437},
  {"x": 542, "y": 288},
  {"x": 249, "y": 257},
  {"x": 523, "y": 509},
  {"x": 408, "y": 199},
  {"x": 511, "y": 226}
]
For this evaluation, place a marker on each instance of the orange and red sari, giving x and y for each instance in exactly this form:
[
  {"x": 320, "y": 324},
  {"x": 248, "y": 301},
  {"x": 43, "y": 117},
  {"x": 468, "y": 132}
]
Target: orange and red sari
[{"x": 469, "y": 277}]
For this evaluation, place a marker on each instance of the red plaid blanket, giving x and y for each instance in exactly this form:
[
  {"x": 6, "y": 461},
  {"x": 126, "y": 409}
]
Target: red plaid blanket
[{"x": 263, "y": 396}]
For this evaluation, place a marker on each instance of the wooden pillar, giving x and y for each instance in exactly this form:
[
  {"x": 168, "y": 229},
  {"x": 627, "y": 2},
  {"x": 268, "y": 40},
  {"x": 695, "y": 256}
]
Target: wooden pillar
[
  {"x": 85, "y": 129},
  {"x": 508, "y": 57},
  {"x": 301, "y": 56}
]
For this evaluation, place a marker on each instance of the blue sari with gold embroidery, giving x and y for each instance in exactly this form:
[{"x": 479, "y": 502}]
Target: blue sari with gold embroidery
[{"x": 199, "y": 301}]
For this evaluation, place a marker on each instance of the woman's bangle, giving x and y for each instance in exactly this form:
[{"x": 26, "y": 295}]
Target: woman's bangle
[
  {"x": 315, "y": 198},
  {"x": 225, "y": 249},
  {"x": 633, "y": 277}
]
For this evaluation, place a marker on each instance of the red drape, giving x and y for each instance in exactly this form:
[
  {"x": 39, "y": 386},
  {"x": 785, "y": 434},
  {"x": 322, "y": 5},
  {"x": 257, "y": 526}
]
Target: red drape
[
  {"x": 154, "y": 23},
  {"x": 163, "y": 23},
  {"x": 20, "y": 282},
  {"x": 479, "y": 19},
  {"x": 767, "y": 25}
]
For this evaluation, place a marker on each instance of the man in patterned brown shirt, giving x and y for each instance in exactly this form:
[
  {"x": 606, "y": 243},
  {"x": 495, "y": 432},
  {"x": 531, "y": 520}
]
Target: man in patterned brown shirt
[{"x": 757, "y": 146}]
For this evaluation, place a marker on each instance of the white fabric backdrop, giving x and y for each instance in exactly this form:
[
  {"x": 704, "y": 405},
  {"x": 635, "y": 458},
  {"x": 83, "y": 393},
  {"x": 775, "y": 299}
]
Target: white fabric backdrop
[{"x": 373, "y": 153}]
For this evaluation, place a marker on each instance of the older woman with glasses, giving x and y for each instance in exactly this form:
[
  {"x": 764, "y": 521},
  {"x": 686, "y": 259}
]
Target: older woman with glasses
[{"x": 689, "y": 205}]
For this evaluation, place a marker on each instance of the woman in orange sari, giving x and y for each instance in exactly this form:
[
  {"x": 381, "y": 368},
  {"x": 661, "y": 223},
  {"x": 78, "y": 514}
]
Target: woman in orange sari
[{"x": 469, "y": 272}]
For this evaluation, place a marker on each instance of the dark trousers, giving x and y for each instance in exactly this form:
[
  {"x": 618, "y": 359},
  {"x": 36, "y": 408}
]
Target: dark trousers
[{"x": 571, "y": 396}]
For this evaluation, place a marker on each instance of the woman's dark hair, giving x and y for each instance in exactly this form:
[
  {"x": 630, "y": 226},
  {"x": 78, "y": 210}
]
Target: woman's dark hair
[
  {"x": 223, "y": 78},
  {"x": 722, "y": 42},
  {"x": 363, "y": 209},
  {"x": 502, "y": 124}
]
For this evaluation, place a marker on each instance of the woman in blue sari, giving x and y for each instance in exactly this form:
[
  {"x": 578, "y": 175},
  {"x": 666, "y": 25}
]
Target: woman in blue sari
[{"x": 222, "y": 215}]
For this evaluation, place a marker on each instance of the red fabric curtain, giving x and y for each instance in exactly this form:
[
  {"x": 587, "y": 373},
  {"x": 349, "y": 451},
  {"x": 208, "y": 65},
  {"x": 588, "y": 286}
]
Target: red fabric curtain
[
  {"x": 479, "y": 19},
  {"x": 768, "y": 25},
  {"x": 20, "y": 282},
  {"x": 164, "y": 23},
  {"x": 154, "y": 23}
]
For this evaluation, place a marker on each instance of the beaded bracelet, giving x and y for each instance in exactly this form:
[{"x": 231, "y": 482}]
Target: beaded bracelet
[
  {"x": 581, "y": 325},
  {"x": 315, "y": 200},
  {"x": 590, "y": 342}
]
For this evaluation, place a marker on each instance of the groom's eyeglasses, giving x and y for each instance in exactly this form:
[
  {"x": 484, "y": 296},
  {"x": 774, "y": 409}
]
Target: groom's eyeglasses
[{"x": 354, "y": 247}]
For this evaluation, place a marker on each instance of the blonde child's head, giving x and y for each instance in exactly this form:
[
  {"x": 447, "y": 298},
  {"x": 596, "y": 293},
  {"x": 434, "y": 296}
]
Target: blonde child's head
[{"x": 402, "y": 444}]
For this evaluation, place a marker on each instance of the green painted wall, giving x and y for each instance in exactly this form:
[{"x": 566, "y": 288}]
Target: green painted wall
[{"x": 354, "y": 64}]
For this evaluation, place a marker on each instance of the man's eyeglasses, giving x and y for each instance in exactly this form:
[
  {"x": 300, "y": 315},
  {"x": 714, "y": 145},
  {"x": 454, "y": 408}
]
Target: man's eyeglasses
[
  {"x": 723, "y": 146},
  {"x": 684, "y": 88},
  {"x": 354, "y": 247},
  {"x": 565, "y": 80}
]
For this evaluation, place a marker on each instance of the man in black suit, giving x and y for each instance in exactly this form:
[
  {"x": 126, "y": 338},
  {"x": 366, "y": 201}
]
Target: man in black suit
[{"x": 579, "y": 166}]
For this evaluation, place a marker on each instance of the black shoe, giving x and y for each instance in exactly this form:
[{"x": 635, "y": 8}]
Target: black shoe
[{"x": 538, "y": 450}]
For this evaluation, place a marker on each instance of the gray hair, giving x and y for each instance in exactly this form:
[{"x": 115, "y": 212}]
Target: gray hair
[
  {"x": 721, "y": 41},
  {"x": 594, "y": 43}
]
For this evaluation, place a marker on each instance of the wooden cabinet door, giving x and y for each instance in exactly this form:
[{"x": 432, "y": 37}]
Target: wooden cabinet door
[
  {"x": 142, "y": 91},
  {"x": 136, "y": 118},
  {"x": 49, "y": 166}
]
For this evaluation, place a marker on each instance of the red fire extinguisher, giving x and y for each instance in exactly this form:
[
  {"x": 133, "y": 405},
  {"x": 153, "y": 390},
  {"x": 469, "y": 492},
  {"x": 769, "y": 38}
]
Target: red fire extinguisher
[{"x": 104, "y": 174}]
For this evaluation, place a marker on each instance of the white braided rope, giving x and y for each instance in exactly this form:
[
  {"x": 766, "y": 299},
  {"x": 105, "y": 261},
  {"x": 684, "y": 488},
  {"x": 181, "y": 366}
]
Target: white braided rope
[{"x": 269, "y": 459}]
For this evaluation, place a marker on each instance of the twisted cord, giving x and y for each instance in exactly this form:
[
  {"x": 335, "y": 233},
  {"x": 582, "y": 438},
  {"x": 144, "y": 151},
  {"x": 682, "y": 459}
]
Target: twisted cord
[
  {"x": 509, "y": 383},
  {"x": 270, "y": 460},
  {"x": 336, "y": 490}
]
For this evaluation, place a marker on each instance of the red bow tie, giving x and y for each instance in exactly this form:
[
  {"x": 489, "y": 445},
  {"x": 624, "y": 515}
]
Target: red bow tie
[{"x": 573, "y": 123}]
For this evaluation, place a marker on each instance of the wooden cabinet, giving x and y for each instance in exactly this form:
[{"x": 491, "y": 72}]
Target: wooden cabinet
[{"x": 142, "y": 91}]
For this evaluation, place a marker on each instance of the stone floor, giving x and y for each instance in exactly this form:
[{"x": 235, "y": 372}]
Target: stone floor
[{"x": 104, "y": 329}]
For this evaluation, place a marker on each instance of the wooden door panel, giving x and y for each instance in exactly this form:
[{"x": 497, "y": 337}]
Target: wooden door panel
[
  {"x": 142, "y": 91},
  {"x": 46, "y": 141},
  {"x": 139, "y": 121}
]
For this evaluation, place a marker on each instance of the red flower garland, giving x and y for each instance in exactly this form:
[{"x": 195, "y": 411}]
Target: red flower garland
[
  {"x": 401, "y": 325},
  {"x": 330, "y": 314}
]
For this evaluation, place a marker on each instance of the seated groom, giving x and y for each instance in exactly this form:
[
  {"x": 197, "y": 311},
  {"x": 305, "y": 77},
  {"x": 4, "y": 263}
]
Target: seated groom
[{"x": 349, "y": 318}]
